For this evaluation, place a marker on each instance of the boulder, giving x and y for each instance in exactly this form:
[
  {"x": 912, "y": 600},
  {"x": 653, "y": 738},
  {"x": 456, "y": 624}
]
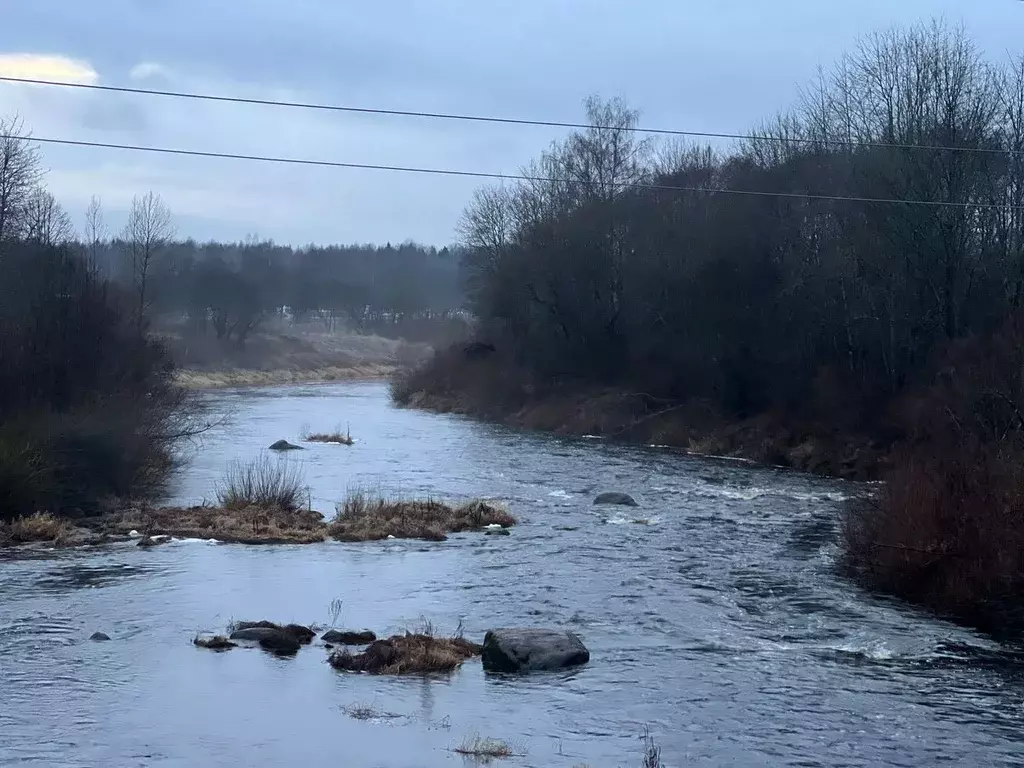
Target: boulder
[
  {"x": 348, "y": 637},
  {"x": 215, "y": 643},
  {"x": 284, "y": 445},
  {"x": 621, "y": 499},
  {"x": 99, "y": 637},
  {"x": 275, "y": 640},
  {"x": 498, "y": 532},
  {"x": 303, "y": 634},
  {"x": 153, "y": 541},
  {"x": 532, "y": 650}
]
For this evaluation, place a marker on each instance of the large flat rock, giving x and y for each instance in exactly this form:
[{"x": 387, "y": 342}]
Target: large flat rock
[{"x": 532, "y": 650}]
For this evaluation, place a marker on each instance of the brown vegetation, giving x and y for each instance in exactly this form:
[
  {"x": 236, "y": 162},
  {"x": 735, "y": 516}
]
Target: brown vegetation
[
  {"x": 243, "y": 525},
  {"x": 336, "y": 437},
  {"x": 411, "y": 653},
  {"x": 214, "y": 643},
  {"x": 947, "y": 528},
  {"x": 365, "y": 518},
  {"x": 38, "y": 527}
]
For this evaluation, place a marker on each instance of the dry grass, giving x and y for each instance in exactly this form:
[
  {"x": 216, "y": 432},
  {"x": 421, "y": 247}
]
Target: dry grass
[
  {"x": 265, "y": 483},
  {"x": 367, "y": 518},
  {"x": 337, "y": 437},
  {"x": 38, "y": 527},
  {"x": 407, "y": 654},
  {"x": 248, "y": 525},
  {"x": 485, "y": 749}
]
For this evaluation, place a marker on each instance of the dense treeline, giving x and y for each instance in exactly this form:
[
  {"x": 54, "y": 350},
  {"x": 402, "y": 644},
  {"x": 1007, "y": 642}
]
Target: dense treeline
[
  {"x": 89, "y": 412},
  {"x": 228, "y": 290},
  {"x": 835, "y": 314}
]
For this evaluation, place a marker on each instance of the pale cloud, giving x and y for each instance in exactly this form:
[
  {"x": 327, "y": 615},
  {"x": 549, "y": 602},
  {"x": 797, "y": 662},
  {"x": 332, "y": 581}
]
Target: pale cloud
[
  {"x": 40, "y": 66},
  {"x": 149, "y": 70}
]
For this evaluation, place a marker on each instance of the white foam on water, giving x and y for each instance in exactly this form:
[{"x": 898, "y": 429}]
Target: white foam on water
[{"x": 560, "y": 494}]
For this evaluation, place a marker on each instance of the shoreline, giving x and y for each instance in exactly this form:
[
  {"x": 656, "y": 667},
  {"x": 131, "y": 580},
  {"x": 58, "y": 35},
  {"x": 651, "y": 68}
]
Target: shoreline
[
  {"x": 196, "y": 379},
  {"x": 769, "y": 440}
]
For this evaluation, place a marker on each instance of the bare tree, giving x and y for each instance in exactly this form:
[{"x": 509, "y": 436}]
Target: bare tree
[
  {"x": 147, "y": 233},
  {"x": 44, "y": 221},
  {"x": 20, "y": 172},
  {"x": 95, "y": 231}
]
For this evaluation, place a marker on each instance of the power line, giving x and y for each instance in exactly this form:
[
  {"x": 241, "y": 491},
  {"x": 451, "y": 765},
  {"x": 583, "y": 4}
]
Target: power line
[
  {"x": 505, "y": 176},
  {"x": 503, "y": 120}
]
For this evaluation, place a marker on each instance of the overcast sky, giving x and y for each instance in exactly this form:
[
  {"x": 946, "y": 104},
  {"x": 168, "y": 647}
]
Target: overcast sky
[{"x": 716, "y": 65}]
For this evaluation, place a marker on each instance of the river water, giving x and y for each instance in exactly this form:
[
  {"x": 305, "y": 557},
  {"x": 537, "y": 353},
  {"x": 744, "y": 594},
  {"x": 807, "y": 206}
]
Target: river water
[{"x": 718, "y": 624}]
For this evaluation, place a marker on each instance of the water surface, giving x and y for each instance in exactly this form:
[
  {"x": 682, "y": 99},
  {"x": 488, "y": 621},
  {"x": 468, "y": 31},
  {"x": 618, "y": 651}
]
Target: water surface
[{"x": 718, "y": 622}]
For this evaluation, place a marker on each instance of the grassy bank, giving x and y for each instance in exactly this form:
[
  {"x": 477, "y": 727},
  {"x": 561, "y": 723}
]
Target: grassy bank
[
  {"x": 495, "y": 390},
  {"x": 225, "y": 379}
]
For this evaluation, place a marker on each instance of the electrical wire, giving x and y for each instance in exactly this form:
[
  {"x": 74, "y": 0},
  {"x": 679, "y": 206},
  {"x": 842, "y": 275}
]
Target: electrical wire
[
  {"x": 506, "y": 120},
  {"x": 505, "y": 176}
]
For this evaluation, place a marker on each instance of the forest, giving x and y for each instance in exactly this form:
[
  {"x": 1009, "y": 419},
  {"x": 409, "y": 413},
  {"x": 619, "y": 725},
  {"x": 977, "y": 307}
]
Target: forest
[{"x": 854, "y": 270}]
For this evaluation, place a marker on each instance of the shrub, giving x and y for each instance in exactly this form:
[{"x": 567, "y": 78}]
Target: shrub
[
  {"x": 41, "y": 526},
  {"x": 263, "y": 483}
]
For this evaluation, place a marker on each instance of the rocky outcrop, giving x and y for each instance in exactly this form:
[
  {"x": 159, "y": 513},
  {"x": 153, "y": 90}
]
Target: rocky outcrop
[
  {"x": 284, "y": 445},
  {"x": 621, "y": 499},
  {"x": 348, "y": 637},
  {"x": 99, "y": 637},
  {"x": 532, "y": 650}
]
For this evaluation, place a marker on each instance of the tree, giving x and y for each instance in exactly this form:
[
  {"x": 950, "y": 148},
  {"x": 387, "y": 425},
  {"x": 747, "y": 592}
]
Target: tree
[
  {"x": 20, "y": 172},
  {"x": 145, "y": 236},
  {"x": 95, "y": 231},
  {"x": 45, "y": 222}
]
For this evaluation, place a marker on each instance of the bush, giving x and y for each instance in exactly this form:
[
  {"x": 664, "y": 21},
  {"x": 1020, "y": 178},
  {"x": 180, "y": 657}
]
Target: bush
[
  {"x": 263, "y": 483},
  {"x": 90, "y": 409},
  {"x": 947, "y": 529},
  {"x": 41, "y": 526}
]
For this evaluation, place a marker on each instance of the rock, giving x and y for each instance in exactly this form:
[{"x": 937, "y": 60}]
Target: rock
[
  {"x": 498, "y": 532},
  {"x": 275, "y": 640},
  {"x": 531, "y": 650},
  {"x": 621, "y": 499},
  {"x": 215, "y": 643},
  {"x": 348, "y": 637},
  {"x": 303, "y": 634},
  {"x": 99, "y": 637},
  {"x": 284, "y": 445}
]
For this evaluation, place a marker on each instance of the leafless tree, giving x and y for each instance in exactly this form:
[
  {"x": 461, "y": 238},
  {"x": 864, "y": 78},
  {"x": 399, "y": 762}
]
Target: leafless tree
[
  {"x": 20, "y": 172},
  {"x": 95, "y": 231},
  {"x": 146, "y": 235}
]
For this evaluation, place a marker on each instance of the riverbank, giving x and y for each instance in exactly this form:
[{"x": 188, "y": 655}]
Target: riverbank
[
  {"x": 490, "y": 391},
  {"x": 243, "y": 377}
]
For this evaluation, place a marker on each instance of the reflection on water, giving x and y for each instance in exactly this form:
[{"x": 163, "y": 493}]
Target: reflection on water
[{"x": 718, "y": 623}]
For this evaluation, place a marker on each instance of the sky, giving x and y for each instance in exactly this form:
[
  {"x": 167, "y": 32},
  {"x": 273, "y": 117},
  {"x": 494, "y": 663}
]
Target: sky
[{"x": 703, "y": 65}]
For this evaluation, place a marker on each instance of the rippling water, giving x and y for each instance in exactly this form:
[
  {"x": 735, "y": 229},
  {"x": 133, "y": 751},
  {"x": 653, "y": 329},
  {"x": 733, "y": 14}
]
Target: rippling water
[{"x": 718, "y": 622}]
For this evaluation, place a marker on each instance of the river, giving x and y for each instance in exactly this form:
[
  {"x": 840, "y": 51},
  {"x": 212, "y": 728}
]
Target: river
[{"x": 719, "y": 624}]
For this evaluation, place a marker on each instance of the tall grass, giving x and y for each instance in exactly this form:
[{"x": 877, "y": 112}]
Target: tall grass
[{"x": 265, "y": 483}]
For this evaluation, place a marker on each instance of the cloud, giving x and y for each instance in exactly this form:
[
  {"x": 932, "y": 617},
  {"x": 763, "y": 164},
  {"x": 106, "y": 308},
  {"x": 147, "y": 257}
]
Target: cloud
[
  {"x": 40, "y": 66},
  {"x": 149, "y": 70}
]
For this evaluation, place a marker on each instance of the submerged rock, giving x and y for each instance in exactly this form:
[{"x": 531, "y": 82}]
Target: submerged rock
[
  {"x": 215, "y": 643},
  {"x": 284, "y": 445},
  {"x": 498, "y": 532},
  {"x": 532, "y": 650},
  {"x": 348, "y": 637},
  {"x": 270, "y": 639},
  {"x": 621, "y": 499},
  {"x": 99, "y": 637}
]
